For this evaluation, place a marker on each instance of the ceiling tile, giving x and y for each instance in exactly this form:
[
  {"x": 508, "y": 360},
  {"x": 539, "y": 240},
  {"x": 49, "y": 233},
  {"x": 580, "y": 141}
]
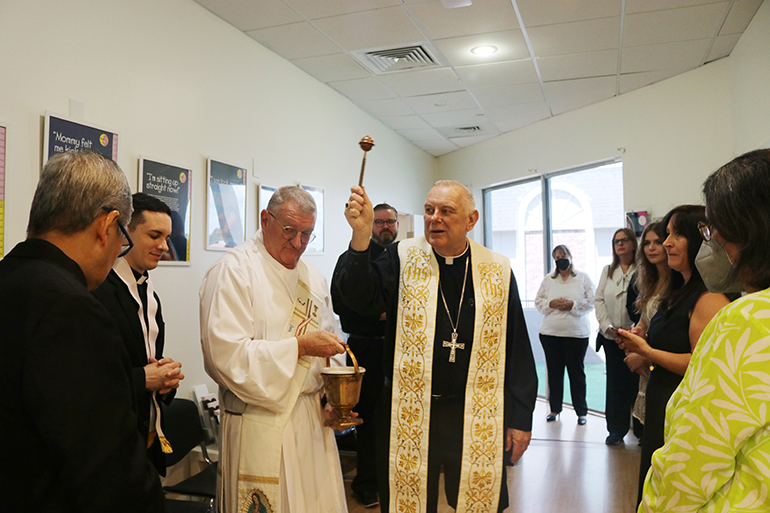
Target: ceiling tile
[
  {"x": 480, "y": 126},
  {"x": 699, "y": 22},
  {"x": 312, "y": 9},
  {"x": 576, "y": 37},
  {"x": 527, "y": 117},
  {"x": 252, "y": 14},
  {"x": 362, "y": 89},
  {"x": 549, "y": 12},
  {"x": 508, "y": 95},
  {"x": 498, "y": 73},
  {"x": 332, "y": 68},
  {"x": 634, "y": 81},
  {"x": 578, "y": 65},
  {"x": 404, "y": 122},
  {"x": 414, "y": 83},
  {"x": 723, "y": 46},
  {"x": 526, "y": 113},
  {"x": 459, "y": 100},
  {"x": 371, "y": 29},
  {"x": 637, "y": 6},
  {"x": 572, "y": 94},
  {"x": 437, "y": 148},
  {"x": 389, "y": 107},
  {"x": 421, "y": 134},
  {"x": 681, "y": 56},
  {"x": 480, "y": 17},
  {"x": 468, "y": 141},
  {"x": 740, "y": 16},
  {"x": 510, "y": 46},
  {"x": 294, "y": 41},
  {"x": 468, "y": 117}
]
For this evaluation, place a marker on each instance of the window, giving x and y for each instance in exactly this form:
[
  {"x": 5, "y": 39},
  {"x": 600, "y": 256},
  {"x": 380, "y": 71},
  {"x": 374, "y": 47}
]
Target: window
[
  {"x": 524, "y": 220},
  {"x": 582, "y": 208}
]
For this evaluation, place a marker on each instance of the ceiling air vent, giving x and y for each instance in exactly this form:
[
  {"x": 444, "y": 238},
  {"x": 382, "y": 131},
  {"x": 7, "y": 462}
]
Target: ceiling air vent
[
  {"x": 468, "y": 129},
  {"x": 389, "y": 60}
]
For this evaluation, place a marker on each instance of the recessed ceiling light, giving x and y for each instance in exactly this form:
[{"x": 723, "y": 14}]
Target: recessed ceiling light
[
  {"x": 484, "y": 50},
  {"x": 439, "y": 104}
]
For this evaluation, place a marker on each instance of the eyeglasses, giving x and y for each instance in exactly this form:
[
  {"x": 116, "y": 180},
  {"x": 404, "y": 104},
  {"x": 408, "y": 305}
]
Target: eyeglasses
[
  {"x": 380, "y": 223},
  {"x": 290, "y": 233},
  {"x": 128, "y": 244},
  {"x": 621, "y": 241},
  {"x": 705, "y": 231}
]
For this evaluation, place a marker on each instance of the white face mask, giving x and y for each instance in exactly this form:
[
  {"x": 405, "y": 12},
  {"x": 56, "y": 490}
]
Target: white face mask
[{"x": 714, "y": 265}]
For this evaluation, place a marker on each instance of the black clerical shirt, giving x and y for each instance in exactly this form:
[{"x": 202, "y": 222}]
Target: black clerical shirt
[{"x": 372, "y": 286}]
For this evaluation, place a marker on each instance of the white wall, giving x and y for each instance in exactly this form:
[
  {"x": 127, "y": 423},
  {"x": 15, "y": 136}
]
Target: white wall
[
  {"x": 179, "y": 84},
  {"x": 750, "y": 76},
  {"x": 673, "y": 134}
]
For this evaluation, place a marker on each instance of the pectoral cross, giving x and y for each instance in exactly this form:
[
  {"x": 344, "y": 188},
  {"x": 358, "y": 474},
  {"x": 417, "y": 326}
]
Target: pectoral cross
[{"x": 454, "y": 345}]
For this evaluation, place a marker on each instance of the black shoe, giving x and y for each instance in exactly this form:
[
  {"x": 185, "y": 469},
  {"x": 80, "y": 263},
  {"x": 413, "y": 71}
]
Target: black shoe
[
  {"x": 551, "y": 417},
  {"x": 582, "y": 421},
  {"x": 613, "y": 440},
  {"x": 367, "y": 499}
]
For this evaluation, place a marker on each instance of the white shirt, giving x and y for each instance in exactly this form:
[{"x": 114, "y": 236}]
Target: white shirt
[
  {"x": 559, "y": 323},
  {"x": 611, "y": 299}
]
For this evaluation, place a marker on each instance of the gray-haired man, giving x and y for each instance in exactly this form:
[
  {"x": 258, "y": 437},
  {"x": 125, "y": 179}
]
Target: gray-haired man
[
  {"x": 66, "y": 415},
  {"x": 266, "y": 325}
]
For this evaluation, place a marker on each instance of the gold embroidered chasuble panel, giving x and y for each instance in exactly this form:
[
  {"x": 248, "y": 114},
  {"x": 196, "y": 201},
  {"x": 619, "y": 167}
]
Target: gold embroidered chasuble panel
[
  {"x": 483, "y": 428},
  {"x": 261, "y": 434}
]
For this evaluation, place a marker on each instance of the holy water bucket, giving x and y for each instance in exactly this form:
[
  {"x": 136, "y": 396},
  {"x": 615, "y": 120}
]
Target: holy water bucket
[{"x": 343, "y": 388}]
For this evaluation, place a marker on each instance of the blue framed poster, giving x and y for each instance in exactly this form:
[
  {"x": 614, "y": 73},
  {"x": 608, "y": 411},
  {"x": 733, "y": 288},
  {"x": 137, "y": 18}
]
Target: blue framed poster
[
  {"x": 63, "y": 134},
  {"x": 226, "y": 206},
  {"x": 173, "y": 186}
]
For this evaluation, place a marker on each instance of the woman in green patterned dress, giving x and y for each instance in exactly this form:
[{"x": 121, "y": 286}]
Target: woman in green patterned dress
[{"x": 717, "y": 451}]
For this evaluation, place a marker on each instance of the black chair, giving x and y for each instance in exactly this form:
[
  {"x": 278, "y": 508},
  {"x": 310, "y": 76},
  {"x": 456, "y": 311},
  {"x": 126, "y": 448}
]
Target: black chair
[{"x": 184, "y": 431}]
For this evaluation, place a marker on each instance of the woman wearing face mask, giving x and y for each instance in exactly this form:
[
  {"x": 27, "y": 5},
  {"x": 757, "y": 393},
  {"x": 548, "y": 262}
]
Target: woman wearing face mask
[
  {"x": 622, "y": 384},
  {"x": 565, "y": 298},
  {"x": 717, "y": 423},
  {"x": 686, "y": 308},
  {"x": 643, "y": 300}
]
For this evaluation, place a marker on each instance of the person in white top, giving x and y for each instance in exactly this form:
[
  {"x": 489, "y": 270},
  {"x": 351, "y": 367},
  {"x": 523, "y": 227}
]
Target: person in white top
[
  {"x": 622, "y": 384},
  {"x": 565, "y": 298},
  {"x": 266, "y": 326}
]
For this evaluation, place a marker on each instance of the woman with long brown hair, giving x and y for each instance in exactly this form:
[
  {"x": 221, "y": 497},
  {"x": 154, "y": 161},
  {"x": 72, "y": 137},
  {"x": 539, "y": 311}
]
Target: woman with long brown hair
[{"x": 686, "y": 308}]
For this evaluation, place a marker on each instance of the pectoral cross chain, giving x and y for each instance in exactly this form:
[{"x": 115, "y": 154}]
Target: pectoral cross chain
[{"x": 454, "y": 345}]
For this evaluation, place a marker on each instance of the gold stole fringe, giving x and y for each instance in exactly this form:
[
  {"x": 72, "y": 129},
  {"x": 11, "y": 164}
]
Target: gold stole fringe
[{"x": 483, "y": 429}]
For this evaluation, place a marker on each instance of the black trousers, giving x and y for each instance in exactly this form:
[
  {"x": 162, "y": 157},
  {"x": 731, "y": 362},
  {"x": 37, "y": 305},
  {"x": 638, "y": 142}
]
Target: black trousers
[
  {"x": 569, "y": 352},
  {"x": 445, "y": 447},
  {"x": 368, "y": 351},
  {"x": 622, "y": 388}
]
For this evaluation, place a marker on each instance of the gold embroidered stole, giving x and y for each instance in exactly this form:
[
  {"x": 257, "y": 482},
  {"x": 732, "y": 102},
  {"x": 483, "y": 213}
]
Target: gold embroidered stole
[
  {"x": 483, "y": 427},
  {"x": 261, "y": 436}
]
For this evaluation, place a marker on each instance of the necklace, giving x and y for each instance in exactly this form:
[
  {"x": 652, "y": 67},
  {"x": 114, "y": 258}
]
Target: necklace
[{"x": 454, "y": 345}]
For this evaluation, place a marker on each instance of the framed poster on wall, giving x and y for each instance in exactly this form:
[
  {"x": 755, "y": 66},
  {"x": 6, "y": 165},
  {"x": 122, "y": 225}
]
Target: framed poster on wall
[
  {"x": 316, "y": 246},
  {"x": 226, "y": 206},
  {"x": 173, "y": 186},
  {"x": 265, "y": 193},
  {"x": 63, "y": 134}
]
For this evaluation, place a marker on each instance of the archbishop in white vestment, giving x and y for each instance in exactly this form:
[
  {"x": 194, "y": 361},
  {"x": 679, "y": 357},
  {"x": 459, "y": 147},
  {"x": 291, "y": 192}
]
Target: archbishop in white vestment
[{"x": 276, "y": 452}]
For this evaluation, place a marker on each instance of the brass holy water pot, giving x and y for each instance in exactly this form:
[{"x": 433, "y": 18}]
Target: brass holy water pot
[{"x": 343, "y": 389}]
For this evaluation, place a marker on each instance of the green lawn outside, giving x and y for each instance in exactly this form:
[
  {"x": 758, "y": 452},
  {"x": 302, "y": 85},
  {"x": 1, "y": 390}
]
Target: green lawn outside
[{"x": 596, "y": 384}]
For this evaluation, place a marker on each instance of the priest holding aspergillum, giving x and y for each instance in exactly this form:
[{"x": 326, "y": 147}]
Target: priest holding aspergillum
[{"x": 460, "y": 383}]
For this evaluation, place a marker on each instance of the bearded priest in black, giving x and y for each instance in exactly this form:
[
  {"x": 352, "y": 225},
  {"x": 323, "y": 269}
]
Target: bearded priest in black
[{"x": 460, "y": 383}]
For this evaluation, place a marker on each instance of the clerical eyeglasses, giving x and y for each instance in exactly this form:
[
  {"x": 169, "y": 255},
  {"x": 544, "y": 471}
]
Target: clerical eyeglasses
[
  {"x": 289, "y": 232},
  {"x": 380, "y": 222}
]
